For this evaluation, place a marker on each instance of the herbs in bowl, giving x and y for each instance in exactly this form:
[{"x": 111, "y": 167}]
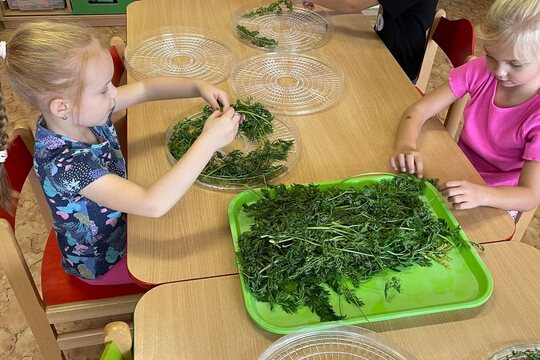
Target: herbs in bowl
[{"x": 264, "y": 148}]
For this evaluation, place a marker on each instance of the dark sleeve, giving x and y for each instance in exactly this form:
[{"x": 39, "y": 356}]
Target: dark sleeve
[{"x": 395, "y": 8}]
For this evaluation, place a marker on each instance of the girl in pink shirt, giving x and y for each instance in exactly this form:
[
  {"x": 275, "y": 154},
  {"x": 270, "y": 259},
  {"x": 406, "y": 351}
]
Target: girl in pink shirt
[{"x": 501, "y": 130}]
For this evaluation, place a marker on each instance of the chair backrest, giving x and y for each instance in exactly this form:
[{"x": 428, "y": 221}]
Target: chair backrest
[
  {"x": 454, "y": 37},
  {"x": 454, "y": 115},
  {"x": 18, "y": 166}
]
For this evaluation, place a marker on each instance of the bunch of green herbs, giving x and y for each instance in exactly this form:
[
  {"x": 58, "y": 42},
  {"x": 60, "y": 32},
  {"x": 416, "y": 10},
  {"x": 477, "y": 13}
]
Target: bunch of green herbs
[
  {"x": 524, "y": 355},
  {"x": 273, "y": 8},
  {"x": 254, "y": 38},
  {"x": 253, "y": 35},
  {"x": 306, "y": 241},
  {"x": 236, "y": 167}
]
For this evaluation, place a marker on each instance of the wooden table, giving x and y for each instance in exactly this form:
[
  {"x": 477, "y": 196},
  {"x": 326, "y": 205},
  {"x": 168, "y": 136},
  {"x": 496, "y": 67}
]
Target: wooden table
[
  {"x": 354, "y": 136},
  {"x": 206, "y": 319}
]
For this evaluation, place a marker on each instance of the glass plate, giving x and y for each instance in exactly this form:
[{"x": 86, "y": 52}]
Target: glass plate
[
  {"x": 297, "y": 30},
  {"x": 282, "y": 130},
  {"x": 464, "y": 283},
  {"x": 506, "y": 354},
  {"x": 292, "y": 84},
  {"x": 336, "y": 343},
  {"x": 179, "y": 54}
]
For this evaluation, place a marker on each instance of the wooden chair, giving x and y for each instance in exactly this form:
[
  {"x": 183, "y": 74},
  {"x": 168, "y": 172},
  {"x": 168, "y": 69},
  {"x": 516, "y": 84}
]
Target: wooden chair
[
  {"x": 522, "y": 223},
  {"x": 456, "y": 39},
  {"x": 118, "y": 341},
  {"x": 65, "y": 298}
]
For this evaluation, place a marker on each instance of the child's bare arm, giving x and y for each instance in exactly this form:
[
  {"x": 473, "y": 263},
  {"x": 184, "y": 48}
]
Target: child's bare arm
[
  {"x": 524, "y": 197},
  {"x": 157, "y": 199},
  {"x": 169, "y": 88},
  {"x": 405, "y": 156}
]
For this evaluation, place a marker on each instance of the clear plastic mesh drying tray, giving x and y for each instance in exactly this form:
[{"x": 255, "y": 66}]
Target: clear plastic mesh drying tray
[
  {"x": 338, "y": 343},
  {"x": 282, "y": 130},
  {"x": 292, "y": 84},
  {"x": 178, "y": 52},
  {"x": 297, "y": 30}
]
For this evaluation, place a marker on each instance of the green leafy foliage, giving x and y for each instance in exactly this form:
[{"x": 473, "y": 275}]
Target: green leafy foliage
[
  {"x": 254, "y": 38},
  {"x": 306, "y": 241},
  {"x": 253, "y": 35},
  {"x": 236, "y": 167},
  {"x": 524, "y": 355},
  {"x": 273, "y": 8}
]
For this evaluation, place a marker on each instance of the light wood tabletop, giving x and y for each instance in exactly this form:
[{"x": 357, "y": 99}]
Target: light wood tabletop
[
  {"x": 206, "y": 319},
  {"x": 353, "y": 136}
]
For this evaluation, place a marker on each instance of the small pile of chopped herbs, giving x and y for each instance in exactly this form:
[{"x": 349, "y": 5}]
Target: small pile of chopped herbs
[
  {"x": 524, "y": 355},
  {"x": 306, "y": 241},
  {"x": 254, "y": 38},
  {"x": 253, "y": 35},
  {"x": 236, "y": 167}
]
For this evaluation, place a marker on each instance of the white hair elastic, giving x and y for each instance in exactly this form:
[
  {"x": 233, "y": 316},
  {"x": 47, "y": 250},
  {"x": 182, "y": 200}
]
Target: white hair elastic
[
  {"x": 3, "y": 156},
  {"x": 3, "y": 49}
]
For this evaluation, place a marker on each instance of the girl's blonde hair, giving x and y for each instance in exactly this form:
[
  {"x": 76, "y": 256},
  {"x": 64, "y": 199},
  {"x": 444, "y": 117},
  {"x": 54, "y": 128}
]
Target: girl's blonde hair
[
  {"x": 44, "y": 61},
  {"x": 514, "y": 23}
]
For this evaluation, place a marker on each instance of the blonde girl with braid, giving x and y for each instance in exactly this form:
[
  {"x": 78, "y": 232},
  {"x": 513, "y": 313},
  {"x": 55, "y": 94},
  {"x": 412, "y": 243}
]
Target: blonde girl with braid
[
  {"x": 63, "y": 71},
  {"x": 501, "y": 130}
]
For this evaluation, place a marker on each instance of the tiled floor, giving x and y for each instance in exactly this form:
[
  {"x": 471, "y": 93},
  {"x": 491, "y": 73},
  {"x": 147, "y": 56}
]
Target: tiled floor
[{"x": 16, "y": 340}]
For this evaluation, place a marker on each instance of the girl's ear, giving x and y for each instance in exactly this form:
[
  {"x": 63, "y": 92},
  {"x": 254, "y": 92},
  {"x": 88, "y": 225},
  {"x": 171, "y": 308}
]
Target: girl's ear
[{"x": 60, "y": 107}]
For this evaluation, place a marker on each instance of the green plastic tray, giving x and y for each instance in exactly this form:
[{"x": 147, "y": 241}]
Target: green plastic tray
[{"x": 465, "y": 283}]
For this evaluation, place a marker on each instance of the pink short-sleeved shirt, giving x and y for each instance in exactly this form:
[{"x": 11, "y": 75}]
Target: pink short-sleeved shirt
[{"x": 496, "y": 140}]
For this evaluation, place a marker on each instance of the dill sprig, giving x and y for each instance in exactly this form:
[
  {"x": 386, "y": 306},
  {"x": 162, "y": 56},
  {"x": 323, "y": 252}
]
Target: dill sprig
[
  {"x": 273, "y": 8},
  {"x": 262, "y": 164},
  {"x": 254, "y": 38},
  {"x": 253, "y": 35},
  {"x": 306, "y": 241}
]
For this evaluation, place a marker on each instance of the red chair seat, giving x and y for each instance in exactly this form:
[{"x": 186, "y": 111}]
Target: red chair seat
[{"x": 59, "y": 288}]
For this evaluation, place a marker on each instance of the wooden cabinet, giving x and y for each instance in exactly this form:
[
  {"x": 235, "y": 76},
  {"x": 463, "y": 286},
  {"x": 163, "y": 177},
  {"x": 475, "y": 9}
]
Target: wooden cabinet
[{"x": 12, "y": 18}]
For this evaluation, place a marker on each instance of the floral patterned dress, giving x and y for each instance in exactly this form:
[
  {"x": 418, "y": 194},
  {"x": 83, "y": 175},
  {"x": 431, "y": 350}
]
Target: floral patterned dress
[{"x": 91, "y": 237}]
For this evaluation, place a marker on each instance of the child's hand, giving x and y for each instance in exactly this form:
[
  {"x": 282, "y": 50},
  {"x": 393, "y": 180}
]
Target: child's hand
[
  {"x": 408, "y": 160},
  {"x": 463, "y": 194},
  {"x": 221, "y": 128},
  {"x": 215, "y": 97},
  {"x": 306, "y": 4}
]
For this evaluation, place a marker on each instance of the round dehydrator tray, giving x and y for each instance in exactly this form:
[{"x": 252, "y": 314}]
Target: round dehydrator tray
[
  {"x": 180, "y": 54},
  {"x": 338, "y": 343},
  {"x": 291, "y": 84},
  {"x": 517, "y": 352},
  {"x": 294, "y": 30},
  {"x": 282, "y": 130}
]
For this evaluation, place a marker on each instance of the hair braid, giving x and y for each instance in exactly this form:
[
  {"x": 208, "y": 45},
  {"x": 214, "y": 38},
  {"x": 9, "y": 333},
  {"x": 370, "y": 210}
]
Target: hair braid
[{"x": 6, "y": 194}]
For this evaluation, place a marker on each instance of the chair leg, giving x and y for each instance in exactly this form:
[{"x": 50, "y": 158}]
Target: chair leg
[
  {"x": 44, "y": 333},
  {"x": 46, "y": 340},
  {"x": 25, "y": 290}
]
